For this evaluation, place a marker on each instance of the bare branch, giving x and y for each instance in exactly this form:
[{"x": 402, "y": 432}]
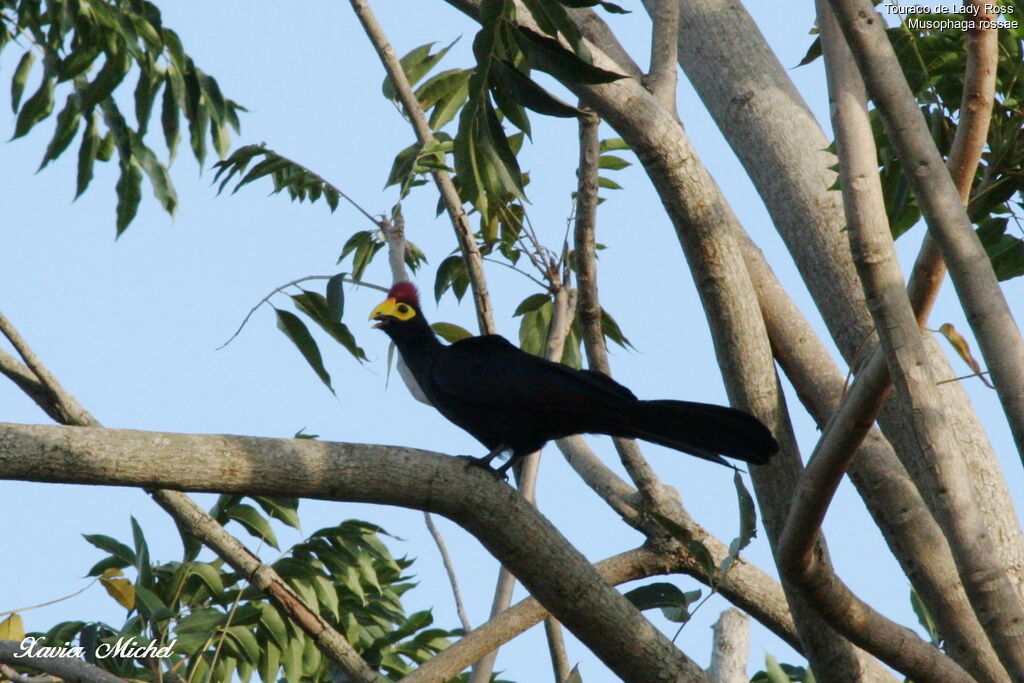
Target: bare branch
[
  {"x": 61, "y": 399},
  {"x": 589, "y": 303},
  {"x": 661, "y": 80},
  {"x": 556, "y": 647},
  {"x": 449, "y": 195},
  {"x": 68, "y": 668},
  {"x": 449, "y": 568},
  {"x": 15, "y": 370},
  {"x": 891, "y": 496},
  {"x": 731, "y": 646},
  {"x": 12, "y": 674},
  {"x": 631, "y": 565}
]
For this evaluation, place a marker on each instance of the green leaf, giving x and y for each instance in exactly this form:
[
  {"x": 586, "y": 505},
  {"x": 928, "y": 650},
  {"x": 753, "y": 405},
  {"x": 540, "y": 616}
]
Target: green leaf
[
  {"x": 336, "y": 297},
  {"x": 776, "y": 674},
  {"x": 129, "y": 194},
  {"x": 274, "y": 624},
  {"x": 107, "y": 563},
  {"x": 813, "y": 52},
  {"x": 150, "y": 605},
  {"x": 673, "y": 602},
  {"x": 416, "y": 64},
  {"x": 253, "y": 521},
  {"x": 270, "y": 663},
  {"x": 531, "y": 303},
  {"x": 210, "y": 577},
  {"x": 169, "y": 119},
  {"x": 549, "y": 56},
  {"x": 451, "y": 273},
  {"x": 299, "y": 335},
  {"x": 924, "y": 617},
  {"x": 36, "y": 108},
  {"x": 115, "y": 68},
  {"x": 703, "y": 557},
  {"x": 553, "y": 19},
  {"x": 748, "y": 513},
  {"x": 203, "y": 621},
  {"x": 612, "y": 162},
  {"x": 248, "y": 647},
  {"x": 142, "y": 563},
  {"x": 608, "y": 6},
  {"x": 86, "y": 156},
  {"x": 527, "y": 93},
  {"x": 451, "y": 333},
  {"x": 281, "y": 508},
  {"x": 64, "y": 132},
  {"x": 316, "y": 307},
  {"x": 21, "y": 73},
  {"x": 112, "y": 546}
]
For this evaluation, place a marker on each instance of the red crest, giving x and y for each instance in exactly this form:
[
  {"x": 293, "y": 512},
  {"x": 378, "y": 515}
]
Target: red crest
[{"x": 405, "y": 292}]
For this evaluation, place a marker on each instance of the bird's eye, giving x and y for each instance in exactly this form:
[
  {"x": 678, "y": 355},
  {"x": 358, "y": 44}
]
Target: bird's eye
[{"x": 403, "y": 309}]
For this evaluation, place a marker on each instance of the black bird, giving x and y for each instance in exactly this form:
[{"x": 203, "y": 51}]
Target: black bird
[{"x": 513, "y": 401}]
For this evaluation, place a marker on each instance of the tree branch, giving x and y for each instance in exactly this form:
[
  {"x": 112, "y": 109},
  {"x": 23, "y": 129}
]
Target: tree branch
[
  {"x": 661, "y": 80},
  {"x": 61, "y": 401},
  {"x": 731, "y": 646},
  {"x": 70, "y": 669},
  {"x": 511, "y": 529},
  {"x": 204, "y": 527},
  {"x": 589, "y": 304}
]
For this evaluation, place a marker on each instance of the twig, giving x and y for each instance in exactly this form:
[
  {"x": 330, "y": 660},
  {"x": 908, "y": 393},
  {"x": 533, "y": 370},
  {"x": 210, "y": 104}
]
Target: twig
[
  {"x": 556, "y": 648},
  {"x": 449, "y": 568},
  {"x": 351, "y": 281},
  {"x": 51, "y": 602}
]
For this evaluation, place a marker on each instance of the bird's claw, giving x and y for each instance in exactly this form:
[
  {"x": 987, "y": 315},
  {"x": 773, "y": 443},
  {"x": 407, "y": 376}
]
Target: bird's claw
[{"x": 483, "y": 463}]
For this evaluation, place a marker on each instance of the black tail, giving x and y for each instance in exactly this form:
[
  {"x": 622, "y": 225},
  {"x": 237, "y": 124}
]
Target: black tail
[{"x": 707, "y": 431}]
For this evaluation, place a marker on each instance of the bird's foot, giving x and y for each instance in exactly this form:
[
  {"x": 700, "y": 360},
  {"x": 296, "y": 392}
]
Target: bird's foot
[{"x": 483, "y": 463}]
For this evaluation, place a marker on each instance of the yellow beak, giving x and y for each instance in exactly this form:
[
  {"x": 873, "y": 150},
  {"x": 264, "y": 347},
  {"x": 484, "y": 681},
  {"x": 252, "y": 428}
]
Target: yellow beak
[{"x": 387, "y": 308}]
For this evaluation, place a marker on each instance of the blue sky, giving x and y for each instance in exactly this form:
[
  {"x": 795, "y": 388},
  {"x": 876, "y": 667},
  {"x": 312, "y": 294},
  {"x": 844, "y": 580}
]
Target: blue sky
[{"x": 131, "y": 326}]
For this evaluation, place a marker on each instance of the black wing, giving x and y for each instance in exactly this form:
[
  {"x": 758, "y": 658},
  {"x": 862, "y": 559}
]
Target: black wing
[{"x": 490, "y": 370}]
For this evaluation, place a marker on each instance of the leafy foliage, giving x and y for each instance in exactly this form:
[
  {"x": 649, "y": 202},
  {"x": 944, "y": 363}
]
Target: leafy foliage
[
  {"x": 220, "y": 629},
  {"x": 87, "y": 49},
  {"x": 301, "y": 183}
]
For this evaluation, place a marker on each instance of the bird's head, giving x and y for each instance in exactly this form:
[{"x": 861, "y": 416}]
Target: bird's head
[{"x": 401, "y": 306}]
